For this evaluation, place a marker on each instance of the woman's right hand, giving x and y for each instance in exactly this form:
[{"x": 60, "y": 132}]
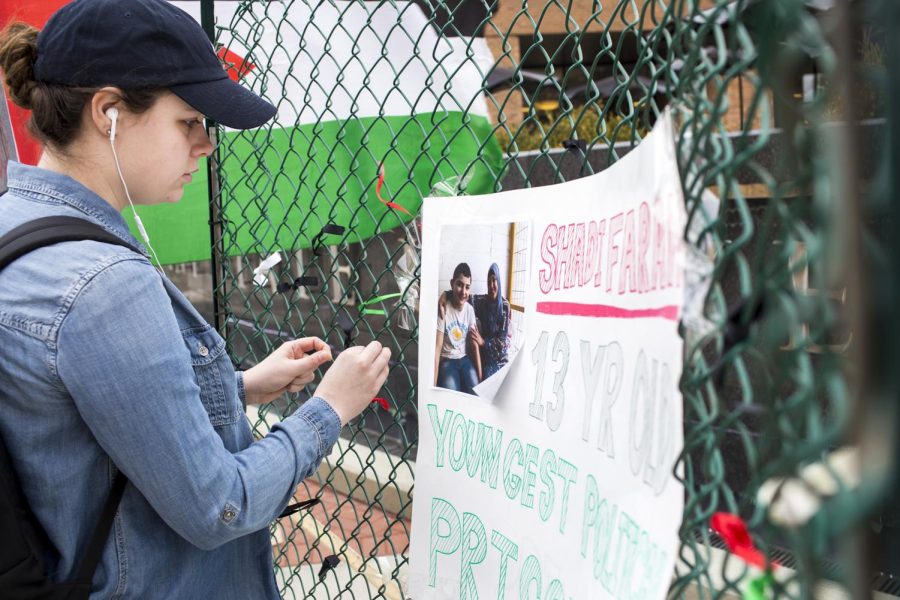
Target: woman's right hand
[
  {"x": 353, "y": 380},
  {"x": 442, "y": 305},
  {"x": 476, "y": 336}
]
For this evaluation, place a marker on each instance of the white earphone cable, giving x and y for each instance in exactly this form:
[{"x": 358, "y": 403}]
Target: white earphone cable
[{"x": 137, "y": 218}]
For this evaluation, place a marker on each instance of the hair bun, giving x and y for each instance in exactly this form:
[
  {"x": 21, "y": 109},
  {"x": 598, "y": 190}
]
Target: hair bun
[{"x": 18, "y": 53}]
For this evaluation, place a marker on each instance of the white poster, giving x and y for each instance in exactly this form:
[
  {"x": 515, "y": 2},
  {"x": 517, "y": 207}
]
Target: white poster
[{"x": 548, "y": 472}]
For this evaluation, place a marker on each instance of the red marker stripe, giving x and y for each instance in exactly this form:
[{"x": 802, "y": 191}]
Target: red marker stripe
[{"x": 606, "y": 311}]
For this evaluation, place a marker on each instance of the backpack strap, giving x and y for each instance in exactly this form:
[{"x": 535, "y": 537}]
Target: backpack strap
[
  {"x": 17, "y": 242},
  {"x": 90, "y": 558},
  {"x": 53, "y": 230}
]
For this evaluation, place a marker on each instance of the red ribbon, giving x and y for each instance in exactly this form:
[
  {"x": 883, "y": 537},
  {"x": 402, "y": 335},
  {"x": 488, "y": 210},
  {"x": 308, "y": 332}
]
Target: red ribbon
[
  {"x": 378, "y": 185},
  {"x": 734, "y": 531},
  {"x": 381, "y": 402}
]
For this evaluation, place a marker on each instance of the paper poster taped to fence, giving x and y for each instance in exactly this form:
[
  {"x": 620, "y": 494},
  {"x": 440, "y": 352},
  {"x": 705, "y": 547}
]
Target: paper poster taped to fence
[{"x": 561, "y": 483}]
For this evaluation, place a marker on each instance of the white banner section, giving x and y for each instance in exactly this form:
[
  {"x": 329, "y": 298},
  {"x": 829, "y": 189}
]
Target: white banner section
[{"x": 564, "y": 302}]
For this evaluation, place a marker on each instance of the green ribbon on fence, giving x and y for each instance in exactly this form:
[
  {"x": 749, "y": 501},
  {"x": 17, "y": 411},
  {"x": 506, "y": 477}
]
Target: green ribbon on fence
[
  {"x": 376, "y": 311},
  {"x": 758, "y": 586}
]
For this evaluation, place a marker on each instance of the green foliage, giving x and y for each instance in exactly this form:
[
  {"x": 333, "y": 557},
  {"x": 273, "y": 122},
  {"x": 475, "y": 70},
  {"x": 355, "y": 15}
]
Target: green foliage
[
  {"x": 545, "y": 128},
  {"x": 869, "y": 89}
]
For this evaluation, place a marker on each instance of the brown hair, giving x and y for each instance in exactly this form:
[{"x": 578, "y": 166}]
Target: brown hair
[{"x": 55, "y": 109}]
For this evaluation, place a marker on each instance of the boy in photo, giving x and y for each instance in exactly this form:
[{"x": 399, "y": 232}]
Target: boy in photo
[{"x": 453, "y": 367}]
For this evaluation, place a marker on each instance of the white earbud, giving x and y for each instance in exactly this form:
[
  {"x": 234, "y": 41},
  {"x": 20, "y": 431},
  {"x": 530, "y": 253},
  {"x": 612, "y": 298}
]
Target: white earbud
[{"x": 113, "y": 114}]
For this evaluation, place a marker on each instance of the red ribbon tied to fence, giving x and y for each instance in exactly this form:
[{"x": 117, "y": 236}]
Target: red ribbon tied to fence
[
  {"x": 734, "y": 531},
  {"x": 378, "y": 185},
  {"x": 381, "y": 402}
]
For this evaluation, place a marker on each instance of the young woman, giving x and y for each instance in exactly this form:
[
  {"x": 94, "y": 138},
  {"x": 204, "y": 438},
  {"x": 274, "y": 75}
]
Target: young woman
[
  {"x": 104, "y": 365},
  {"x": 492, "y": 333}
]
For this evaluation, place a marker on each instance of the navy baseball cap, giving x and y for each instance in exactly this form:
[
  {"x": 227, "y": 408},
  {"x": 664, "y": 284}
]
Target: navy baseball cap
[{"x": 141, "y": 44}]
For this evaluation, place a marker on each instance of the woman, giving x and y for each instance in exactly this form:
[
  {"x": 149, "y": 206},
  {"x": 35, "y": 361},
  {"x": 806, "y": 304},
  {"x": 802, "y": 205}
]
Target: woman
[
  {"x": 492, "y": 333},
  {"x": 104, "y": 365}
]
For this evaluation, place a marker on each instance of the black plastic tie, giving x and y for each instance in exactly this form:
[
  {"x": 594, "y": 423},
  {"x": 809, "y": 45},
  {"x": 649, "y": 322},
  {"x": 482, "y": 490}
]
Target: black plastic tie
[
  {"x": 328, "y": 564},
  {"x": 573, "y": 145},
  {"x": 328, "y": 229}
]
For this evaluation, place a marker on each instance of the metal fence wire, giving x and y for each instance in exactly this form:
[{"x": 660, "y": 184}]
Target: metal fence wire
[{"x": 382, "y": 101}]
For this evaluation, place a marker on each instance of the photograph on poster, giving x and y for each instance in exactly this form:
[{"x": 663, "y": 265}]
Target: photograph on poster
[{"x": 481, "y": 305}]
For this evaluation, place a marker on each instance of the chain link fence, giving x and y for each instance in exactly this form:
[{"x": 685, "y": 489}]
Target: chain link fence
[{"x": 379, "y": 102}]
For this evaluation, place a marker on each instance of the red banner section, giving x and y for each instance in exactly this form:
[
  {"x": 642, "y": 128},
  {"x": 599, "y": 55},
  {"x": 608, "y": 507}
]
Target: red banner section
[{"x": 36, "y": 13}]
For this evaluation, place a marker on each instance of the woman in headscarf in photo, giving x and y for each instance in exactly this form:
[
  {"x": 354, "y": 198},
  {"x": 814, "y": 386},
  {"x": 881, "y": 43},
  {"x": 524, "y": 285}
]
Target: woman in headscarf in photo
[{"x": 493, "y": 317}]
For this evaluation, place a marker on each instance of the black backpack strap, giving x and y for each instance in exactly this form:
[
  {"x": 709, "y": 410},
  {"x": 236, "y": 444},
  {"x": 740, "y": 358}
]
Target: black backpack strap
[
  {"x": 18, "y": 242},
  {"x": 294, "y": 508},
  {"x": 53, "y": 230},
  {"x": 90, "y": 557}
]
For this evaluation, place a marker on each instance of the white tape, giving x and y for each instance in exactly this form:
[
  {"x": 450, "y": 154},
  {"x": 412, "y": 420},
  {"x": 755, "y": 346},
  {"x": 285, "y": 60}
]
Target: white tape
[
  {"x": 792, "y": 502},
  {"x": 261, "y": 273}
]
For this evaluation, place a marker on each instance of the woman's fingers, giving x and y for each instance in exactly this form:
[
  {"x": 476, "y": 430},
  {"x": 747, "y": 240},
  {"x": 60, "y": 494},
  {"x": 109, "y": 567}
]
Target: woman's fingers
[
  {"x": 307, "y": 364},
  {"x": 371, "y": 352},
  {"x": 304, "y": 379},
  {"x": 308, "y": 344},
  {"x": 300, "y": 382},
  {"x": 384, "y": 359}
]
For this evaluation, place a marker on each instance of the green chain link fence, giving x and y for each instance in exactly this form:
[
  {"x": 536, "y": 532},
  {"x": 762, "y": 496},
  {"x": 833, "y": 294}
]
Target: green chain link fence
[{"x": 759, "y": 89}]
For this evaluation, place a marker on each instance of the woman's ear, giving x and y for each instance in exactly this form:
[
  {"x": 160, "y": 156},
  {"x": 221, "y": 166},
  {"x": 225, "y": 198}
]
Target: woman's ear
[{"x": 103, "y": 120}]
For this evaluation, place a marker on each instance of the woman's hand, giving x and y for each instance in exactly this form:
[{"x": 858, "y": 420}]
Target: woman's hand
[
  {"x": 287, "y": 369},
  {"x": 354, "y": 379},
  {"x": 442, "y": 305},
  {"x": 476, "y": 336}
]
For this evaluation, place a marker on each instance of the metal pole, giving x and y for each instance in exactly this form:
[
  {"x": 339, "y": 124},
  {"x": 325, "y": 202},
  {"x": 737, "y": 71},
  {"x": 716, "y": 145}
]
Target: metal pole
[
  {"x": 852, "y": 207},
  {"x": 887, "y": 324},
  {"x": 217, "y": 250}
]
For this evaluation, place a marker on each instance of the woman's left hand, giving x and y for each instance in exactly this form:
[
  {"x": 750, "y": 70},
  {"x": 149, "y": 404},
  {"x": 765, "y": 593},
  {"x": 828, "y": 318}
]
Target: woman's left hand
[{"x": 287, "y": 369}]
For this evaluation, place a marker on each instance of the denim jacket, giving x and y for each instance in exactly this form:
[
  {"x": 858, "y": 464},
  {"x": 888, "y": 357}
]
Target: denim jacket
[{"x": 105, "y": 365}]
